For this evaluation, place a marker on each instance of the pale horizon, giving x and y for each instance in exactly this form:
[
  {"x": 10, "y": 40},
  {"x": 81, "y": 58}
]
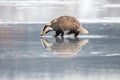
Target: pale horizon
[{"x": 43, "y": 11}]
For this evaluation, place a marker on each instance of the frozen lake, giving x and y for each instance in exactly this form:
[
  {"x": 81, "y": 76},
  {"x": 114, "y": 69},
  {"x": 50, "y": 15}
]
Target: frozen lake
[{"x": 25, "y": 55}]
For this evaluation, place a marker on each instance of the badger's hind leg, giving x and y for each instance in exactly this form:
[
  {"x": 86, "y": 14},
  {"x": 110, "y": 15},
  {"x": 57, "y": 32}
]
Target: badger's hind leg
[
  {"x": 71, "y": 32},
  {"x": 76, "y": 33}
]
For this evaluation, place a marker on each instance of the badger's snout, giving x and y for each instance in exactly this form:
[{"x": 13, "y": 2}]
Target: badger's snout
[
  {"x": 46, "y": 29},
  {"x": 41, "y": 34}
]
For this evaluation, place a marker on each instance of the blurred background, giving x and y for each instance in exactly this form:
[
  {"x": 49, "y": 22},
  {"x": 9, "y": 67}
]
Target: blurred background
[{"x": 42, "y": 11}]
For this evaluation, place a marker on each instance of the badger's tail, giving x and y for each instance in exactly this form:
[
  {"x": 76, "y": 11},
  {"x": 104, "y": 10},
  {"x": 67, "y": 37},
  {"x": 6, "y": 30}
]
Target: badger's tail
[{"x": 83, "y": 30}]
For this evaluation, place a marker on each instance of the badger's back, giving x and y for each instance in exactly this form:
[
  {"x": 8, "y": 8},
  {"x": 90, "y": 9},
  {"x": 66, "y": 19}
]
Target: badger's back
[{"x": 65, "y": 23}]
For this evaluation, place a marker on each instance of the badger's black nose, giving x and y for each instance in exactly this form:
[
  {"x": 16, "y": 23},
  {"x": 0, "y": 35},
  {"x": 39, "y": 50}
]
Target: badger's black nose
[{"x": 41, "y": 34}]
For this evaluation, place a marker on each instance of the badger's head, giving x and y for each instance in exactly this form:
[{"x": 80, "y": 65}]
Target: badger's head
[{"x": 46, "y": 29}]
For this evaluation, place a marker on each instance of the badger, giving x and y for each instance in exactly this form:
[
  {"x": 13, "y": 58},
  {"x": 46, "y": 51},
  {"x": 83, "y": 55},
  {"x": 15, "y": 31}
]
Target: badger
[{"x": 61, "y": 24}]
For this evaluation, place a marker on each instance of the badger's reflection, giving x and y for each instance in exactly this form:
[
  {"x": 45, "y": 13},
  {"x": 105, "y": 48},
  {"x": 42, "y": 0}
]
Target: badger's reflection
[{"x": 64, "y": 47}]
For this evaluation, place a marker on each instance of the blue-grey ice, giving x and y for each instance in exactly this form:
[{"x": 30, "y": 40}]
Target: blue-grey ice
[{"x": 24, "y": 54}]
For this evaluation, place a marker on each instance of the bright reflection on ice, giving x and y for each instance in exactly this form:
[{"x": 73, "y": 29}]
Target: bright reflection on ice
[{"x": 64, "y": 48}]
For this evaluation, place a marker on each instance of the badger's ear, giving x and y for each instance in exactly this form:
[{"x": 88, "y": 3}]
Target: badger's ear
[{"x": 53, "y": 21}]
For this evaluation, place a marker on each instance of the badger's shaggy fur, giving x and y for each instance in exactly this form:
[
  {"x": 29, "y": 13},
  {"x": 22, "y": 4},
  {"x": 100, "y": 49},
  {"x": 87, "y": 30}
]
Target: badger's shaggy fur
[{"x": 64, "y": 23}]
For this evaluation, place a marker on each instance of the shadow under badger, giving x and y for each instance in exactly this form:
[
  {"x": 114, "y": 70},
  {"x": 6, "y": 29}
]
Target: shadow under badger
[{"x": 62, "y": 24}]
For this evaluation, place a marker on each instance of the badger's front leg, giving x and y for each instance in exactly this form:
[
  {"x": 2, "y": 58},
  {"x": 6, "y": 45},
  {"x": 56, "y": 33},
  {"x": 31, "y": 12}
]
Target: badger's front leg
[
  {"x": 62, "y": 33},
  {"x": 58, "y": 32}
]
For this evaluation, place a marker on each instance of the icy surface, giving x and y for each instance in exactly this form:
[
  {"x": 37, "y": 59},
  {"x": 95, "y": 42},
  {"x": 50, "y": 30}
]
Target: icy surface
[
  {"x": 25, "y": 55},
  {"x": 24, "y": 41}
]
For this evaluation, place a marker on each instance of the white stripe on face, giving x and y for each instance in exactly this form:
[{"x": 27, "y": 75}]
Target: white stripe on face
[{"x": 46, "y": 29}]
